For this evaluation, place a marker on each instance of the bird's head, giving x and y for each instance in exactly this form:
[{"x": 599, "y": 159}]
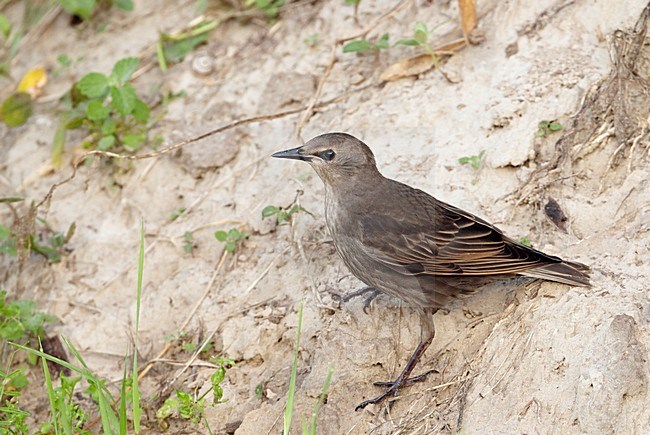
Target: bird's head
[{"x": 336, "y": 157}]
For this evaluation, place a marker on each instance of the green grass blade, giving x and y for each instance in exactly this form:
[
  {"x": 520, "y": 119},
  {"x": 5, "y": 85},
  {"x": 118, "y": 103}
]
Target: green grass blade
[
  {"x": 122, "y": 411},
  {"x": 288, "y": 411},
  {"x": 50, "y": 392},
  {"x": 137, "y": 411},
  {"x": 319, "y": 401}
]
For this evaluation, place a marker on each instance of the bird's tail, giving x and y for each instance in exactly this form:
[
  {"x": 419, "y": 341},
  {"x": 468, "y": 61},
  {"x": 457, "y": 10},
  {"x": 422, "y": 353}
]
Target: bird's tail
[{"x": 566, "y": 272}]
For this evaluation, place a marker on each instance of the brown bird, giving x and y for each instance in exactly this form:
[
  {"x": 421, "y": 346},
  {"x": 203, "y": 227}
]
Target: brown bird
[{"x": 405, "y": 243}]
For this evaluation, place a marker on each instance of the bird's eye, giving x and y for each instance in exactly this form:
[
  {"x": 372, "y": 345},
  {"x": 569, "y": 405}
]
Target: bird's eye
[{"x": 327, "y": 155}]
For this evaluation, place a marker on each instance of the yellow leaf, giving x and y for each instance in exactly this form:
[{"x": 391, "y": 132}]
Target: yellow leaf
[{"x": 33, "y": 82}]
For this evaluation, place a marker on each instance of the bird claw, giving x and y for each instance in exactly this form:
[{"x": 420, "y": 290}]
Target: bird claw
[
  {"x": 373, "y": 293},
  {"x": 392, "y": 388},
  {"x": 391, "y": 391},
  {"x": 410, "y": 381}
]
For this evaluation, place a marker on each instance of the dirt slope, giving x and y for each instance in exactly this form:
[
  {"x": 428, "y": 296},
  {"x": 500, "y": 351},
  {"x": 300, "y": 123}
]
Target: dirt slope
[{"x": 519, "y": 357}]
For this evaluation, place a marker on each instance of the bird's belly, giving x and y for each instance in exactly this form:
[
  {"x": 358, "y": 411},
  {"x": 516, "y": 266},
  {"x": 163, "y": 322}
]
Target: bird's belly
[{"x": 373, "y": 273}]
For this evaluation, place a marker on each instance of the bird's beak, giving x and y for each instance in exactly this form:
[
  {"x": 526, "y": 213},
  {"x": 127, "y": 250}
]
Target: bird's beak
[{"x": 293, "y": 153}]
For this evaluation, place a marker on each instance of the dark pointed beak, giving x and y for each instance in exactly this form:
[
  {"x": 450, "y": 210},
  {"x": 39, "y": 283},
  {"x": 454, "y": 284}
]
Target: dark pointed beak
[{"x": 293, "y": 153}]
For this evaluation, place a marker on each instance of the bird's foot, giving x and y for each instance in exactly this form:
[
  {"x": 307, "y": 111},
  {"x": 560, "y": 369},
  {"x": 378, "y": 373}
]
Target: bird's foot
[
  {"x": 392, "y": 388},
  {"x": 410, "y": 381},
  {"x": 372, "y": 294}
]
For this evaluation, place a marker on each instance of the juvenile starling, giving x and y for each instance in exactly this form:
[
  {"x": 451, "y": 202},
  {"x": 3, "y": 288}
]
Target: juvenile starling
[{"x": 405, "y": 243}]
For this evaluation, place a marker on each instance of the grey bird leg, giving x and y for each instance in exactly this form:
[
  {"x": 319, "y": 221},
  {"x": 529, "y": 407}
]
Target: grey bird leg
[
  {"x": 373, "y": 293},
  {"x": 428, "y": 332}
]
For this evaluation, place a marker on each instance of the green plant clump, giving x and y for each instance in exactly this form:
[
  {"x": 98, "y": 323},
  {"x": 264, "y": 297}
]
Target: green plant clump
[
  {"x": 47, "y": 242},
  {"x": 20, "y": 321},
  {"x": 232, "y": 238},
  {"x": 474, "y": 161},
  {"x": 84, "y": 9},
  {"x": 108, "y": 108},
  {"x": 283, "y": 215},
  {"x": 545, "y": 128}
]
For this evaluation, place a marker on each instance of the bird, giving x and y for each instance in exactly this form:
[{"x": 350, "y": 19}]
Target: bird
[{"x": 403, "y": 242}]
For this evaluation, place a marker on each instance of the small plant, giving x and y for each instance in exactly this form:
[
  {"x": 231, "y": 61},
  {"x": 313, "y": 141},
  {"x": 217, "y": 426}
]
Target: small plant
[
  {"x": 525, "y": 241},
  {"x": 232, "y": 238},
  {"x": 283, "y": 215},
  {"x": 174, "y": 48},
  {"x": 421, "y": 36},
  {"x": 311, "y": 40},
  {"x": 67, "y": 415},
  {"x": 12, "y": 418},
  {"x": 46, "y": 241},
  {"x": 474, "y": 161},
  {"x": 177, "y": 214},
  {"x": 108, "y": 108},
  {"x": 364, "y": 46},
  {"x": 188, "y": 242},
  {"x": 84, "y": 9},
  {"x": 544, "y": 128},
  {"x": 10, "y": 37},
  {"x": 192, "y": 408},
  {"x": 269, "y": 7},
  {"x": 20, "y": 321}
]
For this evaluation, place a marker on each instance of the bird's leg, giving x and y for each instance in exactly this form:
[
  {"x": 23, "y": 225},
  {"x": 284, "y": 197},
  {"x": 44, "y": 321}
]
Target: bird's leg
[
  {"x": 372, "y": 294},
  {"x": 428, "y": 332}
]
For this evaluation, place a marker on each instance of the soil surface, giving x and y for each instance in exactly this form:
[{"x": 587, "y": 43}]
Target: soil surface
[{"x": 517, "y": 357}]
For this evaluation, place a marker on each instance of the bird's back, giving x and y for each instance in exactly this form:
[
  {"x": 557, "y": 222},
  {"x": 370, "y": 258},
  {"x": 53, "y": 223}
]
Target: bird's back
[{"x": 408, "y": 244}]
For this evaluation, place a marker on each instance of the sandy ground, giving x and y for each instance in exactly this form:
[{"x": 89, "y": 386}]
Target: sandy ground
[{"x": 518, "y": 357}]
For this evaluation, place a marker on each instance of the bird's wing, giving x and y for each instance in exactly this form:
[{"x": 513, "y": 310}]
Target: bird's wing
[{"x": 442, "y": 240}]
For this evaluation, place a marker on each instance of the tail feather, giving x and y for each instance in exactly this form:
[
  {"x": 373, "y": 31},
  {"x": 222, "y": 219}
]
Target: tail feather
[{"x": 566, "y": 272}]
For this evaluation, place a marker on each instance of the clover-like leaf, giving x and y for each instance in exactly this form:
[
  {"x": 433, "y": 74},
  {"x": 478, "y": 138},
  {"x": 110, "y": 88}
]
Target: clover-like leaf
[{"x": 93, "y": 85}]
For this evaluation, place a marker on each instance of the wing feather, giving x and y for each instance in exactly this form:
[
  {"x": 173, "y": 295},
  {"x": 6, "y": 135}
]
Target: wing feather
[{"x": 446, "y": 241}]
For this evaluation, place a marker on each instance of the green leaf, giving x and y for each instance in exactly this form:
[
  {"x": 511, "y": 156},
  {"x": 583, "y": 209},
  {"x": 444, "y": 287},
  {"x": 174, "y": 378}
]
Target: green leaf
[
  {"x": 5, "y": 232},
  {"x": 409, "y": 42},
  {"x": 234, "y": 234},
  {"x": 421, "y": 37},
  {"x": 97, "y": 111},
  {"x": 74, "y": 122},
  {"x": 58, "y": 144},
  {"x": 358, "y": 46},
  {"x": 133, "y": 141},
  {"x": 230, "y": 247},
  {"x": 421, "y": 33},
  {"x": 555, "y": 126},
  {"x": 19, "y": 380},
  {"x": 141, "y": 111},
  {"x": 382, "y": 42},
  {"x": 109, "y": 126},
  {"x": 269, "y": 210},
  {"x": 64, "y": 60},
  {"x": 125, "y": 5},
  {"x": 82, "y": 8},
  {"x": 4, "y": 69},
  {"x": 124, "y": 69},
  {"x": 106, "y": 143},
  {"x": 221, "y": 235},
  {"x": 5, "y": 26},
  {"x": 93, "y": 85},
  {"x": 176, "y": 50},
  {"x": 16, "y": 109},
  {"x": 123, "y": 99},
  {"x": 463, "y": 160}
]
